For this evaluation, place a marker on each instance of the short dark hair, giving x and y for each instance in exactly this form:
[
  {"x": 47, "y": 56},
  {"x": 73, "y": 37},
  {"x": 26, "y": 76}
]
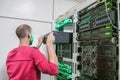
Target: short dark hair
[{"x": 22, "y": 29}]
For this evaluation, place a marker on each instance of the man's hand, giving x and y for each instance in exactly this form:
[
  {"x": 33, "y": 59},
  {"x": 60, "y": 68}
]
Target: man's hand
[
  {"x": 50, "y": 48},
  {"x": 40, "y": 40},
  {"x": 50, "y": 38}
]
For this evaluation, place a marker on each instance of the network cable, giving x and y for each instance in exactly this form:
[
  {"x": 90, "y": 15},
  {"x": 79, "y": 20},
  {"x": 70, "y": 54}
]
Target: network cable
[{"x": 109, "y": 17}]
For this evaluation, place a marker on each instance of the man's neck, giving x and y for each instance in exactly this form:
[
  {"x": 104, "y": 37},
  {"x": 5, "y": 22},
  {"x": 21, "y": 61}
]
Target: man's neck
[{"x": 24, "y": 43}]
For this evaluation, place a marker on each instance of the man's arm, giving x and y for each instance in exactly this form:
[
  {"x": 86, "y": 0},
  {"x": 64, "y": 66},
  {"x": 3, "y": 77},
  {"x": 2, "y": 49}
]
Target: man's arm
[
  {"x": 40, "y": 40},
  {"x": 49, "y": 66},
  {"x": 50, "y": 48},
  {"x": 43, "y": 64}
]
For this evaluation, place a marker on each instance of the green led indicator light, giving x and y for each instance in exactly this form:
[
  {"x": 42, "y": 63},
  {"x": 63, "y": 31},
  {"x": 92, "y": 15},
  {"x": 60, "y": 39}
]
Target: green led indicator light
[
  {"x": 108, "y": 27},
  {"x": 108, "y": 9},
  {"x": 107, "y": 33},
  {"x": 108, "y": 3}
]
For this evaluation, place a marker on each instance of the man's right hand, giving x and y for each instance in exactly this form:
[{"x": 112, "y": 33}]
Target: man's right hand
[
  {"x": 50, "y": 48},
  {"x": 50, "y": 38}
]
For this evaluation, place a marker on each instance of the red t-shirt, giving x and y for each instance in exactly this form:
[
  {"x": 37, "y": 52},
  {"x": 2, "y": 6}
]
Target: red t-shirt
[{"x": 27, "y": 63}]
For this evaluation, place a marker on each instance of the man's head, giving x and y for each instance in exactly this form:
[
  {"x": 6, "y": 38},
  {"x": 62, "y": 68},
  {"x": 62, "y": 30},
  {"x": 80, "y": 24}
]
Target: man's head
[{"x": 24, "y": 31}]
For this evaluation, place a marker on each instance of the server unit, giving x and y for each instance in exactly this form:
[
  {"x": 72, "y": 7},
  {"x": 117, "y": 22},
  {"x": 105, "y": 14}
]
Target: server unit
[
  {"x": 97, "y": 34},
  {"x": 94, "y": 50}
]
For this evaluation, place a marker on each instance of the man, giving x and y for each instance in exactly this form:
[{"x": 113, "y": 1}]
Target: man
[{"x": 25, "y": 62}]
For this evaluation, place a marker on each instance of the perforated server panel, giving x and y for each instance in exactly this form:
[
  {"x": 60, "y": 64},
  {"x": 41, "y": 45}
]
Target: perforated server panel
[{"x": 97, "y": 34}]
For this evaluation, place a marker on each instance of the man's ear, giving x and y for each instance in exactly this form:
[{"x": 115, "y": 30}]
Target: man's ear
[{"x": 28, "y": 35}]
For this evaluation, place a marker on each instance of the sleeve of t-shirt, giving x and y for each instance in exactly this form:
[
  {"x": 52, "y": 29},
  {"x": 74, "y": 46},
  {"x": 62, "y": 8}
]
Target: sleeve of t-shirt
[{"x": 43, "y": 64}]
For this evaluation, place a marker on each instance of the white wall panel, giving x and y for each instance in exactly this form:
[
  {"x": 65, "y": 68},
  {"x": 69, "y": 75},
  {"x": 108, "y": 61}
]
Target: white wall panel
[
  {"x": 8, "y": 40},
  {"x": 27, "y": 9}
]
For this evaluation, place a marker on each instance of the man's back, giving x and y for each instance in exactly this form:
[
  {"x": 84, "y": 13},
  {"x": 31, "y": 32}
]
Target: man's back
[{"x": 26, "y": 63}]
